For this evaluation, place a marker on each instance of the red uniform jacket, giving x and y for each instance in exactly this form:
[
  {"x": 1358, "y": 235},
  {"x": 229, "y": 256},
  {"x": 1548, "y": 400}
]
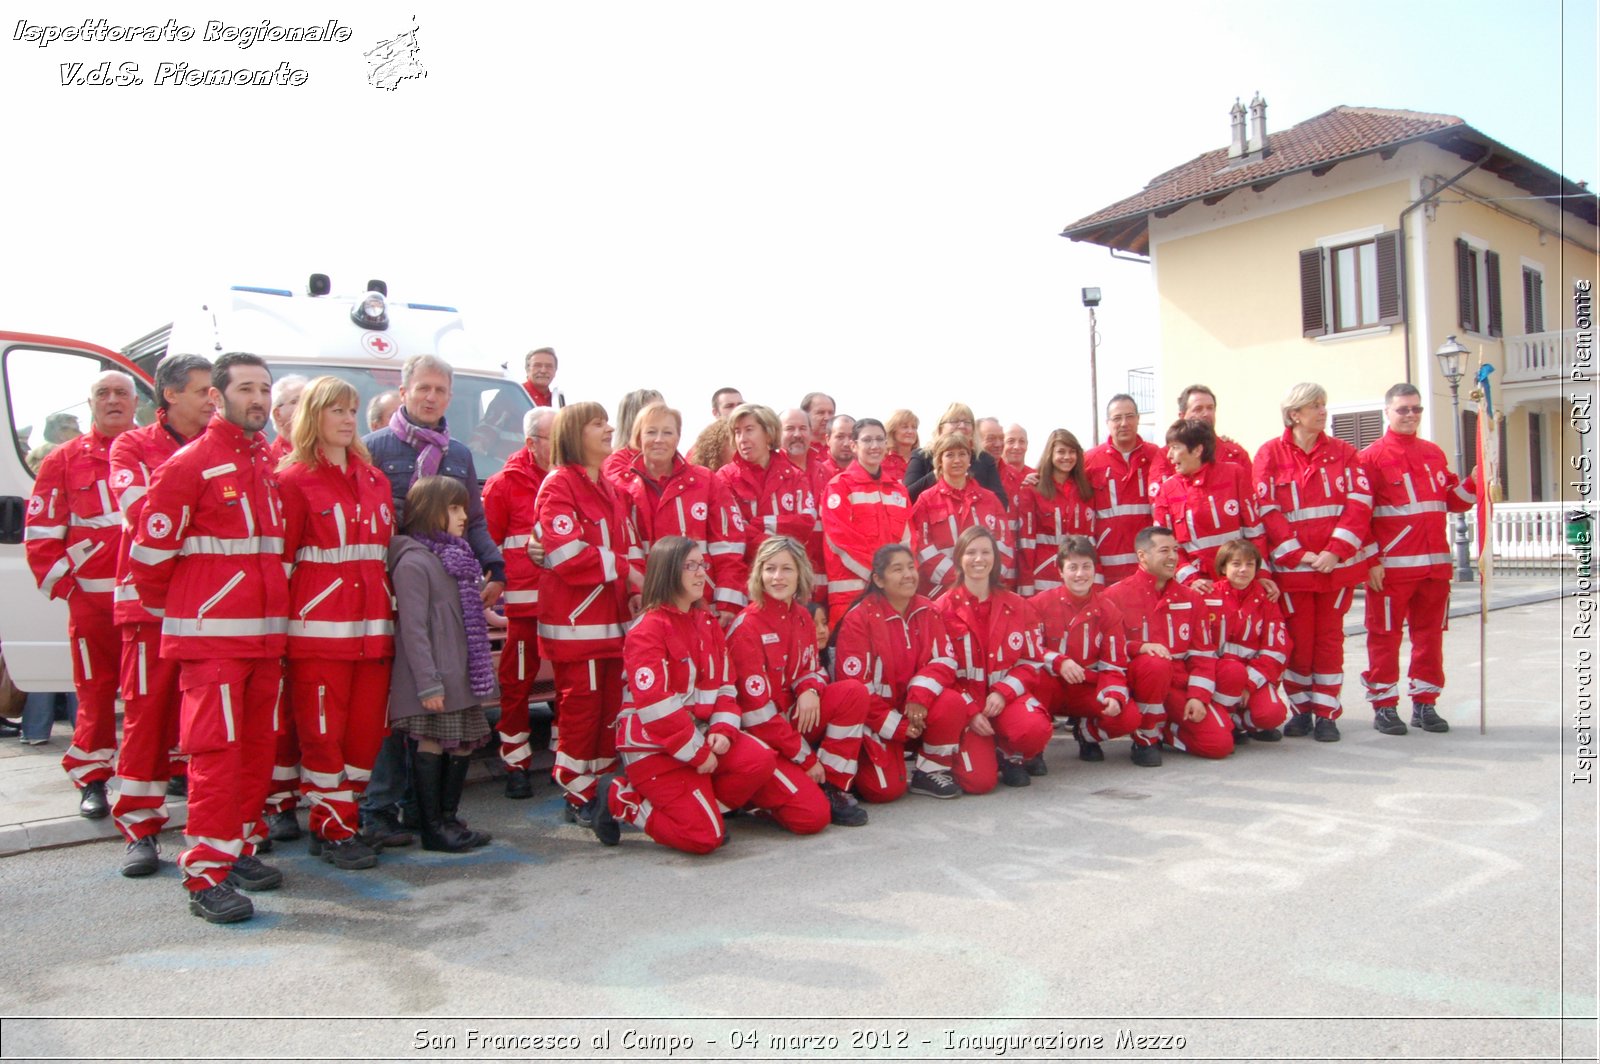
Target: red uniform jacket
[
  {"x": 583, "y": 595},
  {"x": 618, "y": 466},
  {"x": 1011, "y": 478},
  {"x": 208, "y": 553},
  {"x": 1177, "y": 618},
  {"x": 1088, "y": 631},
  {"x": 1310, "y": 503},
  {"x": 1412, "y": 490},
  {"x": 73, "y": 522},
  {"x": 1211, "y": 506},
  {"x": 1044, "y": 524},
  {"x": 903, "y": 660},
  {"x": 940, "y": 515},
  {"x": 509, "y": 510},
  {"x": 135, "y": 456},
  {"x": 1123, "y": 487},
  {"x": 894, "y": 467},
  {"x": 996, "y": 649},
  {"x": 692, "y": 502},
  {"x": 860, "y": 513},
  {"x": 676, "y": 667},
  {"x": 336, "y": 531},
  {"x": 773, "y": 650},
  {"x": 775, "y": 501},
  {"x": 1250, "y": 628}
]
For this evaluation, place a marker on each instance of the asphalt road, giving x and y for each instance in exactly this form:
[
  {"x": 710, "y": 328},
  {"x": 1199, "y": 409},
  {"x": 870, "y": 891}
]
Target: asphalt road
[{"x": 1426, "y": 896}]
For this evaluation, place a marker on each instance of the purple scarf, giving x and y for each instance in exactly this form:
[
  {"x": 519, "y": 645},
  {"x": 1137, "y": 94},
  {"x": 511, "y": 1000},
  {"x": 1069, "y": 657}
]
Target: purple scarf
[
  {"x": 430, "y": 444},
  {"x": 455, "y": 554}
]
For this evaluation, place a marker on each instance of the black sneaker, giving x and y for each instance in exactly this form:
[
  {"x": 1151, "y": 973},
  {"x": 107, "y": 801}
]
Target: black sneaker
[
  {"x": 221, "y": 904},
  {"x": 1387, "y": 721},
  {"x": 283, "y": 827},
  {"x": 518, "y": 784},
  {"x": 1036, "y": 766},
  {"x": 252, "y": 873},
  {"x": 1088, "y": 751},
  {"x": 1271, "y": 735},
  {"x": 602, "y": 823},
  {"x": 1326, "y": 730},
  {"x": 142, "y": 859},
  {"x": 1012, "y": 774},
  {"x": 1424, "y": 717},
  {"x": 843, "y": 809},
  {"x": 382, "y": 831},
  {"x": 348, "y": 854},
  {"x": 92, "y": 802},
  {"x": 178, "y": 787},
  {"x": 1147, "y": 756},
  {"x": 579, "y": 814},
  {"x": 1240, "y": 736},
  {"x": 1299, "y": 726},
  {"x": 934, "y": 784}
]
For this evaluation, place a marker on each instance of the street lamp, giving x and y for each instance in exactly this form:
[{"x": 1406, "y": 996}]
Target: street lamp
[
  {"x": 1452, "y": 366},
  {"x": 1091, "y": 299}
]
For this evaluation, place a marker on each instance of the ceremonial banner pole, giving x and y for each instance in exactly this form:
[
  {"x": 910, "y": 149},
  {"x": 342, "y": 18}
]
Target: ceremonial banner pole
[{"x": 1488, "y": 470}]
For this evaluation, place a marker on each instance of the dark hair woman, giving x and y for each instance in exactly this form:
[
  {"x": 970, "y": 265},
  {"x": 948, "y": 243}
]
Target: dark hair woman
[
  {"x": 1252, "y": 646},
  {"x": 1058, "y": 505},
  {"x": 1205, "y": 502}
]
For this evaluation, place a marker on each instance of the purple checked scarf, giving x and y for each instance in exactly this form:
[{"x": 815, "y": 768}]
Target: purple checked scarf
[
  {"x": 430, "y": 444},
  {"x": 455, "y": 554}
]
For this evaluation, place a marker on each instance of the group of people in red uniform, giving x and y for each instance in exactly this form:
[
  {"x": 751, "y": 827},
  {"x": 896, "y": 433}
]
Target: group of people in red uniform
[{"x": 827, "y": 618}]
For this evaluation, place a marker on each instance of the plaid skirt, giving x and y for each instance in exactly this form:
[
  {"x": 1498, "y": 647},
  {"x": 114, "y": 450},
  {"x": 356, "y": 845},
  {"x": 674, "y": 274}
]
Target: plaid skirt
[{"x": 461, "y": 729}]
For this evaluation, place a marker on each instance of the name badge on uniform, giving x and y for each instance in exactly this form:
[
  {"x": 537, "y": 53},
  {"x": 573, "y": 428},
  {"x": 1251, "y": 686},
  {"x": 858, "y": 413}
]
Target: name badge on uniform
[{"x": 218, "y": 470}]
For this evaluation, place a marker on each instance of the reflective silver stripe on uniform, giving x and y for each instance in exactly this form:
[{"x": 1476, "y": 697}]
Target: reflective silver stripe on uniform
[
  {"x": 927, "y": 683},
  {"x": 1238, "y": 650},
  {"x": 57, "y": 571},
  {"x": 891, "y": 724},
  {"x": 45, "y": 532},
  {"x": 1204, "y": 684},
  {"x": 756, "y": 717},
  {"x": 1407, "y": 509},
  {"x": 219, "y": 545},
  {"x": 1207, "y": 542},
  {"x": 1125, "y": 511},
  {"x": 515, "y": 542},
  {"x": 1310, "y": 513},
  {"x": 110, "y": 520},
  {"x": 99, "y": 587},
  {"x": 521, "y": 597},
  {"x": 731, "y": 596},
  {"x": 1411, "y": 561},
  {"x": 565, "y": 552},
  {"x": 340, "y": 629},
  {"x": 842, "y": 586},
  {"x": 1288, "y": 546},
  {"x": 718, "y": 547},
  {"x": 149, "y": 555},
  {"x": 942, "y": 570},
  {"x": 1347, "y": 536},
  {"x": 1256, "y": 676},
  {"x": 1328, "y": 679},
  {"x": 125, "y": 593},
  {"x": 1119, "y": 559},
  {"x": 224, "y": 627},
  {"x": 849, "y": 563},
  {"x": 1359, "y": 499},
  {"x": 580, "y": 631},
  {"x": 360, "y": 552}
]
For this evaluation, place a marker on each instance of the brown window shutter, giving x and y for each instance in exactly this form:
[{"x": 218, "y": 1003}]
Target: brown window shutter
[
  {"x": 1346, "y": 428},
  {"x": 1491, "y": 267},
  {"x": 1313, "y": 299},
  {"x": 1369, "y": 428},
  {"x": 1466, "y": 284},
  {"x": 1391, "y": 277},
  {"x": 1532, "y": 301}
]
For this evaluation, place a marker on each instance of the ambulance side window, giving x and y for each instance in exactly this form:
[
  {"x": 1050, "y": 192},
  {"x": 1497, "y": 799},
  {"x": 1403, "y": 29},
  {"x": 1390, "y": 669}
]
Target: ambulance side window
[{"x": 47, "y": 393}]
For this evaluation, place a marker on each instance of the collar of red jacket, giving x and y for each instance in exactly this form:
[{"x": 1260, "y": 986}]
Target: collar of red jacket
[{"x": 225, "y": 431}]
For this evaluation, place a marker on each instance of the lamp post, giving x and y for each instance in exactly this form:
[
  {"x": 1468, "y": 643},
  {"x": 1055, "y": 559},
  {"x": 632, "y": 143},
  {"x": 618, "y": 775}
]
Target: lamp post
[
  {"x": 1452, "y": 357},
  {"x": 1091, "y": 299}
]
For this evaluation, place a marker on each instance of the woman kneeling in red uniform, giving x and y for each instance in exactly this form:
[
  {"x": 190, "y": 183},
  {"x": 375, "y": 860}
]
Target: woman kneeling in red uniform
[
  {"x": 786, "y": 699},
  {"x": 997, "y": 656},
  {"x": 1252, "y": 647},
  {"x": 677, "y": 671}
]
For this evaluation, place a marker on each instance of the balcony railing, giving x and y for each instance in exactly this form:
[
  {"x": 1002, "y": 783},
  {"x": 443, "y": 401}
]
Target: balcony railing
[
  {"x": 1531, "y": 534},
  {"x": 1538, "y": 356}
]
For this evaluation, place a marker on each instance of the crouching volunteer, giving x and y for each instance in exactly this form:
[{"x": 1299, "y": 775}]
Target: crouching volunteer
[
  {"x": 337, "y": 525},
  {"x": 995, "y": 640},
  {"x": 894, "y": 641},
  {"x": 1172, "y": 655},
  {"x": 785, "y": 697},
  {"x": 679, "y": 678},
  {"x": 1085, "y": 674},
  {"x": 1252, "y": 646},
  {"x": 209, "y": 555}
]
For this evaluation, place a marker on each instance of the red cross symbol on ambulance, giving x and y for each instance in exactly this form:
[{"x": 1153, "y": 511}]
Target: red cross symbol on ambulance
[{"x": 378, "y": 345}]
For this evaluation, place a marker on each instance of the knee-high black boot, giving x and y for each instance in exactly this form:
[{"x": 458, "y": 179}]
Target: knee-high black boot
[
  {"x": 455, "y": 781},
  {"x": 428, "y": 779}
]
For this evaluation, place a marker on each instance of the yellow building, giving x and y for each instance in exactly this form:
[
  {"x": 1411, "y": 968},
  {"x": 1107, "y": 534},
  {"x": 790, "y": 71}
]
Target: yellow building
[{"x": 1345, "y": 250}]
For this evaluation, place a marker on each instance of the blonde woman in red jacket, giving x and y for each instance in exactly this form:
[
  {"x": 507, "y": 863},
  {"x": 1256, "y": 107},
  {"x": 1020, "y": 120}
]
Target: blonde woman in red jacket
[
  {"x": 336, "y": 529},
  {"x": 954, "y": 503}
]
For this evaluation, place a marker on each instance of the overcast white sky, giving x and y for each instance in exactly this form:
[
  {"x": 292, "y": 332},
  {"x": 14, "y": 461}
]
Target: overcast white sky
[{"x": 861, "y": 197}]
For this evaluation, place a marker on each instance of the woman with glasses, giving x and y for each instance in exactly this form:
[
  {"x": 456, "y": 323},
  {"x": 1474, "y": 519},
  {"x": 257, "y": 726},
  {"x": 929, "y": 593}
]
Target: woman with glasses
[
  {"x": 955, "y": 503},
  {"x": 922, "y": 470}
]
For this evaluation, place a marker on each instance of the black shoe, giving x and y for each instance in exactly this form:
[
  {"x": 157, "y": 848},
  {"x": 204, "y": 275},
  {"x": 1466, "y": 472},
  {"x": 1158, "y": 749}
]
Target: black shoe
[
  {"x": 221, "y": 904},
  {"x": 602, "y": 823},
  {"x": 1387, "y": 721},
  {"x": 1036, "y": 766},
  {"x": 1327, "y": 731},
  {"x": 9, "y": 729},
  {"x": 1240, "y": 737},
  {"x": 427, "y": 781},
  {"x": 455, "y": 781},
  {"x": 843, "y": 809},
  {"x": 178, "y": 787},
  {"x": 1271, "y": 735},
  {"x": 934, "y": 784},
  {"x": 1012, "y": 774},
  {"x": 583, "y": 815},
  {"x": 1423, "y": 716},
  {"x": 252, "y": 873},
  {"x": 1088, "y": 751},
  {"x": 347, "y": 854},
  {"x": 92, "y": 800},
  {"x": 1147, "y": 756},
  {"x": 382, "y": 831},
  {"x": 518, "y": 784},
  {"x": 284, "y": 826},
  {"x": 142, "y": 859},
  {"x": 1299, "y": 726}
]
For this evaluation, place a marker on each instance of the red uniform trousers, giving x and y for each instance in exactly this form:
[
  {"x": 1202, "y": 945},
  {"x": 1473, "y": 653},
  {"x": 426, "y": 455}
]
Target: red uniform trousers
[
  {"x": 1255, "y": 708},
  {"x": 1424, "y": 607},
  {"x": 1160, "y": 688},
  {"x": 1314, "y": 675},
  {"x": 883, "y": 777},
  {"x": 228, "y": 727},
  {"x": 1081, "y": 701},
  {"x": 837, "y": 736},
  {"x": 284, "y": 794},
  {"x": 341, "y": 713},
  {"x": 519, "y": 668},
  {"x": 149, "y": 733},
  {"x": 590, "y": 693},
  {"x": 1022, "y": 730},
  {"x": 96, "y": 657}
]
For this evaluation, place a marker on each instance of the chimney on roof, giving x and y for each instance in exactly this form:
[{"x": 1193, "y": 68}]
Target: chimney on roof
[
  {"x": 1258, "y": 125},
  {"x": 1236, "y": 147}
]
